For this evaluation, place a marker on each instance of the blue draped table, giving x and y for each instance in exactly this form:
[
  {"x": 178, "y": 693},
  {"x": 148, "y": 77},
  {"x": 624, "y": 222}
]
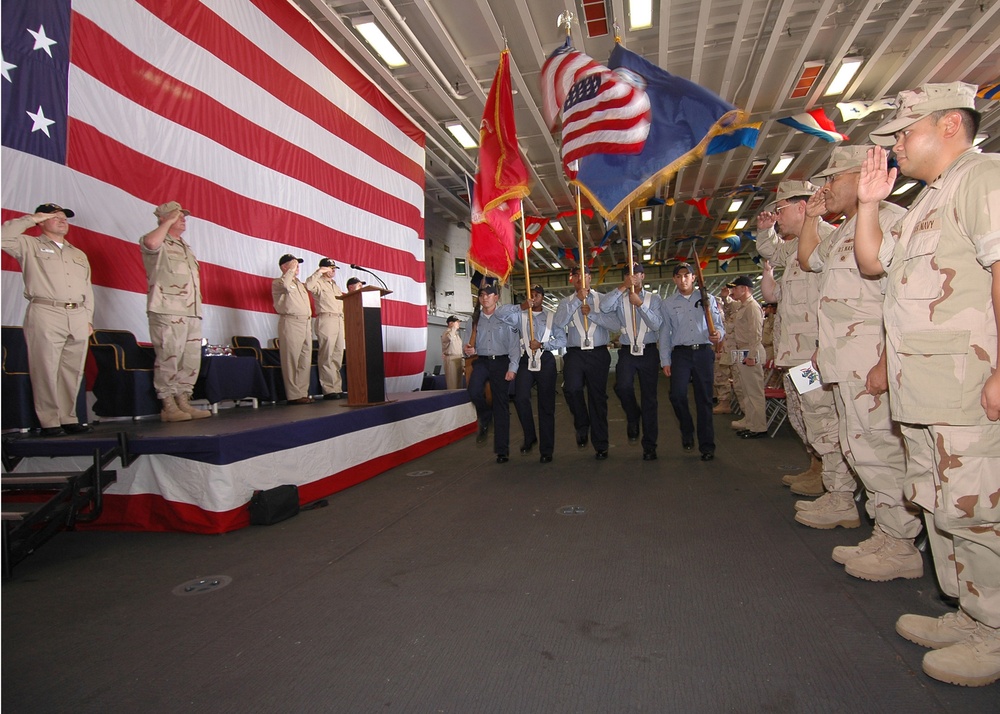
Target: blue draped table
[{"x": 237, "y": 378}]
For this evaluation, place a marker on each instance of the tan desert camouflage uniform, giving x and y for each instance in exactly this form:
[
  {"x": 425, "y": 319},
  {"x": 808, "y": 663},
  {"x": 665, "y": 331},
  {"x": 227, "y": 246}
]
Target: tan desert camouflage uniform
[
  {"x": 942, "y": 337},
  {"x": 173, "y": 306},
  {"x": 747, "y": 323},
  {"x": 794, "y": 344},
  {"x": 850, "y": 344}
]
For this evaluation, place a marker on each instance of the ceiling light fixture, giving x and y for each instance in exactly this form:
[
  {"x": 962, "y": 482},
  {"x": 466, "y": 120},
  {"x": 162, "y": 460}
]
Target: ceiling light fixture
[
  {"x": 537, "y": 245},
  {"x": 640, "y": 14},
  {"x": 646, "y": 242},
  {"x": 904, "y": 188},
  {"x": 735, "y": 205},
  {"x": 646, "y": 214},
  {"x": 807, "y": 78},
  {"x": 783, "y": 163},
  {"x": 647, "y": 256},
  {"x": 556, "y": 266},
  {"x": 374, "y": 36},
  {"x": 461, "y": 134},
  {"x": 556, "y": 225},
  {"x": 723, "y": 249},
  {"x": 740, "y": 224},
  {"x": 848, "y": 68},
  {"x": 980, "y": 138}
]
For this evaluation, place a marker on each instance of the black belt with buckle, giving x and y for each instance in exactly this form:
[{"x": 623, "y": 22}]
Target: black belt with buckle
[
  {"x": 596, "y": 347},
  {"x": 693, "y": 347},
  {"x": 493, "y": 356}
]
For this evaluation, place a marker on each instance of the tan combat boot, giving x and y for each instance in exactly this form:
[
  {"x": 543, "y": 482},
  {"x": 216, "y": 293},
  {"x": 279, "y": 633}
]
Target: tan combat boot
[
  {"x": 936, "y": 632},
  {"x": 722, "y": 407},
  {"x": 184, "y": 405},
  {"x": 842, "y": 553},
  {"x": 815, "y": 466},
  {"x": 838, "y": 510},
  {"x": 820, "y": 503},
  {"x": 973, "y": 662},
  {"x": 170, "y": 411},
  {"x": 809, "y": 485},
  {"x": 895, "y": 558}
]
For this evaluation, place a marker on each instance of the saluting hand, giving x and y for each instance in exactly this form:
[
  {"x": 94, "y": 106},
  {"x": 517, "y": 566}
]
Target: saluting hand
[
  {"x": 876, "y": 180},
  {"x": 816, "y": 205},
  {"x": 766, "y": 219}
]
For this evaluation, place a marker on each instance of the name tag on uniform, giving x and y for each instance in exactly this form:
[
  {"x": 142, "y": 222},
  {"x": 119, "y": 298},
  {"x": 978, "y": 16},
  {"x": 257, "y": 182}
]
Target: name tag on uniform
[{"x": 46, "y": 250}]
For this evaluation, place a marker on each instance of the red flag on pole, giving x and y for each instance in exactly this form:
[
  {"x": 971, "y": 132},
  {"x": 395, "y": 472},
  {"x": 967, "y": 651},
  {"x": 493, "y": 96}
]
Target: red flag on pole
[{"x": 501, "y": 183}]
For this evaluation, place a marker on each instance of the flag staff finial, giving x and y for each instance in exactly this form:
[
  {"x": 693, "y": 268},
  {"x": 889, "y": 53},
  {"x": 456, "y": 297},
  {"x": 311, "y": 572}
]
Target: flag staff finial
[
  {"x": 565, "y": 21},
  {"x": 618, "y": 32}
]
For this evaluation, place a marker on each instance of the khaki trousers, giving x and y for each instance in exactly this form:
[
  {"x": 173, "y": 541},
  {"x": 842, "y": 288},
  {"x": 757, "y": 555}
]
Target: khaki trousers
[
  {"x": 177, "y": 343},
  {"x": 953, "y": 472},
  {"x": 330, "y": 332},
  {"x": 873, "y": 446},
  {"x": 453, "y": 372},
  {"x": 56, "y": 339},
  {"x": 822, "y": 426},
  {"x": 751, "y": 395},
  {"x": 295, "y": 348}
]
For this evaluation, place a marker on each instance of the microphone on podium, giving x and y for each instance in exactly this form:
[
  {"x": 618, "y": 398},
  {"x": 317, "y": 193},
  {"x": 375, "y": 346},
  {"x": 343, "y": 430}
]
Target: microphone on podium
[{"x": 355, "y": 266}]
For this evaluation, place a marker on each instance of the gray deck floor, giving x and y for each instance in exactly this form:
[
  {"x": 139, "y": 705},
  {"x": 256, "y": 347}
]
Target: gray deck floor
[{"x": 453, "y": 584}]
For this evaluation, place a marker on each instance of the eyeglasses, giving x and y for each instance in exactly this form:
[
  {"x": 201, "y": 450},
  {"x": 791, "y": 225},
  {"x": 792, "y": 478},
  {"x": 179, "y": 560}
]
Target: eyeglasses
[{"x": 779, "y": 209}]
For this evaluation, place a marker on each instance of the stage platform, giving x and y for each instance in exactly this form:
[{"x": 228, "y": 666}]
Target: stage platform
[{"x": 198, "y": 476}]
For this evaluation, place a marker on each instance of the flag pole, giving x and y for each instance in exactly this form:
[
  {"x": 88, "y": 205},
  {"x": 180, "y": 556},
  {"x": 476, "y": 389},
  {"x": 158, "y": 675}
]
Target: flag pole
[
  {"x": 631, "y": 269},
  {"x": 527, "y": 285},
  {"x": 704, "y": 293},
  {"x": 582, "y": 265}
]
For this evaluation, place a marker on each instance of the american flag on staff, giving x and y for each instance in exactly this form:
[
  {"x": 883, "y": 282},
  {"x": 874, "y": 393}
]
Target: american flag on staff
[
  {"x": 563, "y": 69},
  {"x": 243, "y": 112},
  {"x": 604, "y": 113}
]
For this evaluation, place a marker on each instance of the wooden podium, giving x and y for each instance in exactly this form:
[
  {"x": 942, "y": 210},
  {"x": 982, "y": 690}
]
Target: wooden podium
[{"x": 363, "y": 346}]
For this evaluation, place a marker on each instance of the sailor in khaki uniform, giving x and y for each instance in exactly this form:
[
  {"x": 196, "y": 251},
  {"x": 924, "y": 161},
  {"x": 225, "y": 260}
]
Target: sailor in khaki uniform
[
  {"x": 942, "y": 302},
  {"x": 748, "y": 325},
  {"x": 60, "y": 313},
  {"x": 291, "y": 301},
  {"x": 329, "y": 326},
  {"x": 173, "y": 306}
]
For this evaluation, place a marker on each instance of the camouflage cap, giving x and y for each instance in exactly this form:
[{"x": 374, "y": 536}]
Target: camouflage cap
[
  {"x": 165, "y": 209},
  {"x": 845, "y": 159},
  {"x": 792, "y": 189},
  {"x": 915, "y": 104}
]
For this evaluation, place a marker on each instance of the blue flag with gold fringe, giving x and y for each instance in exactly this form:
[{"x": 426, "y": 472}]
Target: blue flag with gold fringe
[{"x": 685, "y": 119}]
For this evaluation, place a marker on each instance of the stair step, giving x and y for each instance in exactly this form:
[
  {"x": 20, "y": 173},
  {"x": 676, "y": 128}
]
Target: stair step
[{"x": 43, "y": 479}]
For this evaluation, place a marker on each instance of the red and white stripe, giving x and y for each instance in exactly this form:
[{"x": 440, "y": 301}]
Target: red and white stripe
[
  {"x": 559, "y": 73},
  {"x": 247, "y": 115},
  {"x": 615, "y": 121}
]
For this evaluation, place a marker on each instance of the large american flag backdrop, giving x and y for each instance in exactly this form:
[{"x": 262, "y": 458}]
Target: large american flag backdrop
[{"x": 243, "y": 112}]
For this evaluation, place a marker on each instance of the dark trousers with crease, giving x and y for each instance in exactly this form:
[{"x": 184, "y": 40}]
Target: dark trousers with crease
[
  {"x": 546, "y": 382},
  {"x": 494, "y": 371},
  {"x": 647, "y": 368},
  {"x": 588, "y": 368},
  {"x": 695, "y": 367}
]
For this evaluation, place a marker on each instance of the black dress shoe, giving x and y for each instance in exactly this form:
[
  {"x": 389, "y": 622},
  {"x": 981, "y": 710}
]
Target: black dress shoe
[
  {"x": 741, "y": 432},
  {"x": 334, "y": 395},
  {"x": 688, "y": 445},
  {"x": 649, "y": 455},
  {"x": 581, "y": 437},
  {"x": 708, "y": 456},
  {"x": 601, "y": 455},
  {"x": 301, "y": 400},
  {"x": 502, "y": 458},
  {"x": 484, "y": 429},
  {"x": 545, "y": 458},
  {"x": 47, "y": 431},
  {"x": 753, "y": 435},
  {"x": 633, "y": 431},
  {"x": 77, "y": 428},
  {"x": 527, "y": 446}
]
